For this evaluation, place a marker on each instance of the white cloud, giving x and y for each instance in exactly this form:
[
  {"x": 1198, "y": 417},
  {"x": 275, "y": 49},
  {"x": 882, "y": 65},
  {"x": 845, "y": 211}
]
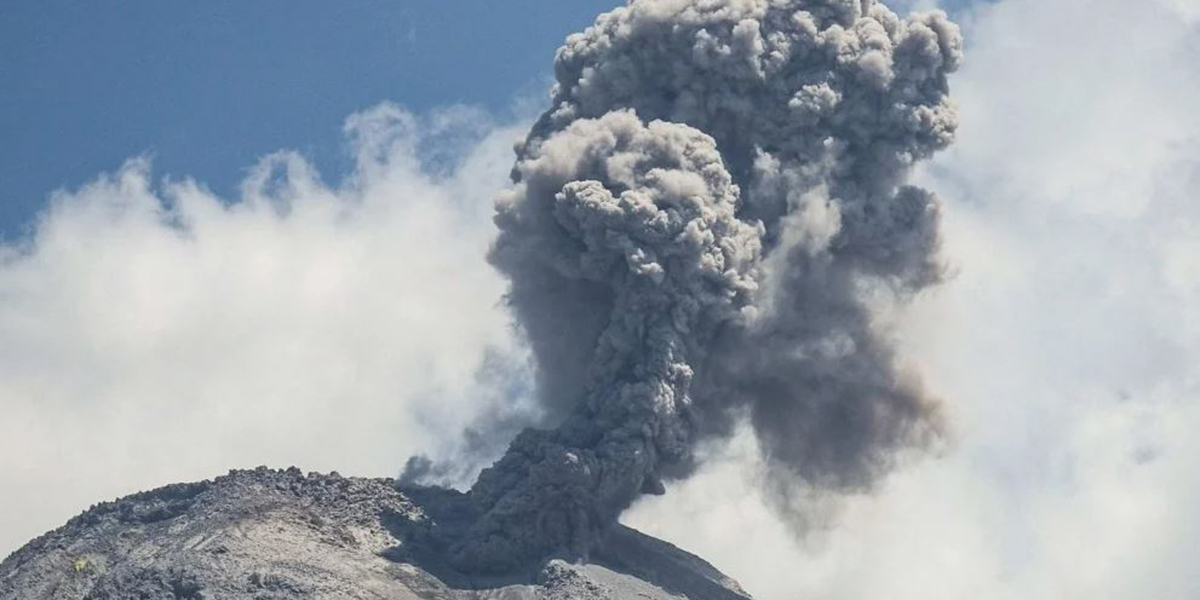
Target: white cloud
[
  {"x": 1189, "y": 10},
  {"x": 1067, "y": 345},
  {"x": 155, "y": 333}
]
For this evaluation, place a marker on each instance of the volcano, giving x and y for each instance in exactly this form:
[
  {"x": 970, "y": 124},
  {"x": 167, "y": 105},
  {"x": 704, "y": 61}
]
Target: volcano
[{"x": 275, "y": 534}]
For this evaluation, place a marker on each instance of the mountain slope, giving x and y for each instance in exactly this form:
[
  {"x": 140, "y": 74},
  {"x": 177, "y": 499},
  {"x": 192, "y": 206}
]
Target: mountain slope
[{"x": 266, "y": 534}]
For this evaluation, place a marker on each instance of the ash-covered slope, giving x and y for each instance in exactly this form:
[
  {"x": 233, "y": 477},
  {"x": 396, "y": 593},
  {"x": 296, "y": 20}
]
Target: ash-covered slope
[{"x": 268, "y": 534}]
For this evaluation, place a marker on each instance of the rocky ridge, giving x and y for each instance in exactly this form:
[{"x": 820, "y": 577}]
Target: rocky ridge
[{"x": 281, "y": 534}]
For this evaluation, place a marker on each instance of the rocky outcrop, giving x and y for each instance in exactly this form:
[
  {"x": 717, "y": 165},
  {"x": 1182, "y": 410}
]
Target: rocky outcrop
[{"x": 267, "y": 534}]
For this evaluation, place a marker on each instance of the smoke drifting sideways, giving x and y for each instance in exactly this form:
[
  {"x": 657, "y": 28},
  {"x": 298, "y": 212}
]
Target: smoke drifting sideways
[{"x": 710, "y": 223}]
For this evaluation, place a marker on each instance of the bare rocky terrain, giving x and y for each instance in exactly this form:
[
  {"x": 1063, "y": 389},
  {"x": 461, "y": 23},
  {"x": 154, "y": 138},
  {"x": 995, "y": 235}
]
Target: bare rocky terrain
[{"x": 268, "y": 534}]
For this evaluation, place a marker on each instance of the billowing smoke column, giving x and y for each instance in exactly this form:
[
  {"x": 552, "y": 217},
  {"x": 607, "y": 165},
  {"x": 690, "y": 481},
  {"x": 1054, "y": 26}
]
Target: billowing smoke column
[
  {"x": 708, "y": 223},
  {"x": 633, "y": 226}
]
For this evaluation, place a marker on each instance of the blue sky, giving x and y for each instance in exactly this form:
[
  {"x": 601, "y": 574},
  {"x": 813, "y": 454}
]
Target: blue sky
[{"x": 205, "y": 88}]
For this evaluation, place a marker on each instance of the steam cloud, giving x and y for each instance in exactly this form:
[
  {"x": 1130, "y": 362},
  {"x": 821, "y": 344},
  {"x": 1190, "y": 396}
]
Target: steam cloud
[{"x": 709, "y": 222}]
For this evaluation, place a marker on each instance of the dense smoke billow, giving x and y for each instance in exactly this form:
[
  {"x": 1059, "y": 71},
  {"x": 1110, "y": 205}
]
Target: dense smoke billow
[{"x": 708, "y": 223}]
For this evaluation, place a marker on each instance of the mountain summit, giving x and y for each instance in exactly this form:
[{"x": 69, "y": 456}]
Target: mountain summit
[{"x": 270, "y": 534}]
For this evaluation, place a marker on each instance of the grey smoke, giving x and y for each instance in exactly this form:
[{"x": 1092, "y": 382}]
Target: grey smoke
[
  {"x": 504, "y": 407},
  {"x": 708, "y": 222},
  {"x": 636, "y": 223}
]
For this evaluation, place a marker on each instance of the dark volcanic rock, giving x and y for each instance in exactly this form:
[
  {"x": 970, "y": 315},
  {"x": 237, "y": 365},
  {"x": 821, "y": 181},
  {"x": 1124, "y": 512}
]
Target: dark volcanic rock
[{"x": 268, "y": 534}]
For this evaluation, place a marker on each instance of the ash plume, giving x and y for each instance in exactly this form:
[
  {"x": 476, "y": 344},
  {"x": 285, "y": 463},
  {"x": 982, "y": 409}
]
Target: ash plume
[{"x": 709, "y": 222}]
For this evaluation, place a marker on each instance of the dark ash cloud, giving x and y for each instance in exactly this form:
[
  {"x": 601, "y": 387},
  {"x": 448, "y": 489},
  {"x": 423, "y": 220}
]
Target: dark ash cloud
[{"x": 709, "y": 222}]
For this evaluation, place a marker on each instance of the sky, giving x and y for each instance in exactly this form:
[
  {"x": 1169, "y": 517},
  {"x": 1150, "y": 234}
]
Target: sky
[
  {"x": 206, "y": 88},
  {"x": 226, "y": 232}
]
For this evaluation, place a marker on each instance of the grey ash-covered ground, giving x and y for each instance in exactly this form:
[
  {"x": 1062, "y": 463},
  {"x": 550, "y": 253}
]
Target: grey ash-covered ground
[{"x": 268, "y": 534}]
